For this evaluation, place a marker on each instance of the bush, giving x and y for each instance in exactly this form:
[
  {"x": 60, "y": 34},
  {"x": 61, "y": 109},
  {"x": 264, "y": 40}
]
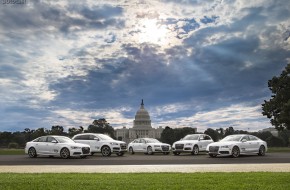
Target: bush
[
  {"x": 13, "y": 145},
  {"x": 275, "y": 142}
]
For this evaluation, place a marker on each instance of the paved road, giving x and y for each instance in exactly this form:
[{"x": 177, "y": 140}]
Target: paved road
[{"x": 141, "y": 159}]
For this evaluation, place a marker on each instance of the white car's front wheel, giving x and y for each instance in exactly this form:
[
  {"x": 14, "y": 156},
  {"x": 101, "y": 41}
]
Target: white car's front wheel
[
  {"x": 106, "y": 151},
  {"x": 131, "y": 150},
  {"x": 32, "y": 152},
  {"x": 149, "y": 150},
  {"x": 64, "y": 153},
  {"x": 195, "y": 150},
  {"x": 262, "y": 150},
  {"x": 235, "y": 152}
]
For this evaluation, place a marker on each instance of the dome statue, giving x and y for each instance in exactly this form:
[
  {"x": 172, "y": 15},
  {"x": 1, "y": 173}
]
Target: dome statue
[{"x": 142, "y": 118}]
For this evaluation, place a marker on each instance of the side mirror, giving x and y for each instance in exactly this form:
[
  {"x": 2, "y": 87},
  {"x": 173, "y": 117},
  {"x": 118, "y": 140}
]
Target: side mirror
[
  {"x": 54, "y": 141},
  {"x": 244, "y": 140},
  {"x": 96, "y": 138}
]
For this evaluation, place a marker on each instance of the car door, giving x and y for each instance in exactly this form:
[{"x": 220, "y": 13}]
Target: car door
[
  {"x": 245, "y": 144},
  {"x": 255, "y": 143},
  {"x": 95, "y": 142},
  {"x": 135, "y": 144},
  {"x": 40, "y": 145},
  {"x": 142, "y": 145},
  {"x": 202, "y": 143},
  {"x": 52, "y": 146},
  {"x": 206, "y": 141}
]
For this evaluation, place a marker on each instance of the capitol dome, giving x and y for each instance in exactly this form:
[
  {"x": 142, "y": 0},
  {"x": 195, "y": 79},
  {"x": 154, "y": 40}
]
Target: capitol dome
[{"x": 142, "y": 118}]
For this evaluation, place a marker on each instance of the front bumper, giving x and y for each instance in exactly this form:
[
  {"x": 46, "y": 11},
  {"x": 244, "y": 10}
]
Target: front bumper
[
  {"x": 216, "y": 150},
  {"x": 165, "y": 149},
  {"x": 119, "y": 149},
  {"x": 84, "y": 151},
  {"x": 182, "y": 148}
]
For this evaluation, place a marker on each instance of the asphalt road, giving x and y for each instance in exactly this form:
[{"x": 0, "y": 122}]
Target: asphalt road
[{"x": 141, "y": 159}]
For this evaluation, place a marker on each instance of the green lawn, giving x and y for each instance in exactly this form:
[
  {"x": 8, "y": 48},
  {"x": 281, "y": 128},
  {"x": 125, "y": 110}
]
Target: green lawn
[
  {"x": 12, "y": 151},
  {"x": 279, "y": 149},
  {"x": 145, "y": 181}
]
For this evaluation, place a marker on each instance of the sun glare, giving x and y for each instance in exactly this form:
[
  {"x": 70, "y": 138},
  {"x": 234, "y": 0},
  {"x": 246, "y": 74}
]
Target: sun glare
[{"x": 152, "y": 32}]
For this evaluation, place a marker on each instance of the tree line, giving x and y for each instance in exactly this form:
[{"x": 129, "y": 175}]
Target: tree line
[
  {"x": 171, "y": 135},
  {"x": 18, "y": 139}
]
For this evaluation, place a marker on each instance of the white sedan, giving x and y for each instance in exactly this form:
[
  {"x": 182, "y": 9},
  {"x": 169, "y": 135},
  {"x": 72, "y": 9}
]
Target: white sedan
[
  {"x": 56, "y": 146},
  {"x": 148, "y": 146},
  {"x": 235, "y": 145}
]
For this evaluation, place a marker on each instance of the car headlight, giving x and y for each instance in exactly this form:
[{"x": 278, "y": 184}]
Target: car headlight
[
  {"x": 75, "y": 147},
  {"x": 188, "y": 144},
  {"x": 156, "y": 145},
  {"x": 113, "y": 143},
  {"x": 225, "y": 146}
]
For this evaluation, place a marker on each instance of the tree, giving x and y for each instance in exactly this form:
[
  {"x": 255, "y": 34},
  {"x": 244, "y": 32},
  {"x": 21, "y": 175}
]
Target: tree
[
  {"x": 74, "y": 131},
  {"x": 278, "y": 107},
  {"x": 101, "y": 126},
  {"x": 214, "y": 134},
  {"x": 229, "y": 131},
  {"x": 167, "y": 135}
]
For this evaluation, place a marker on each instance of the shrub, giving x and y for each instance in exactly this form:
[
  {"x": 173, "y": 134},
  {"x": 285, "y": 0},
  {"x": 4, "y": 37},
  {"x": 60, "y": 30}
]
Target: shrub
[{"x": 13, "y": 145}]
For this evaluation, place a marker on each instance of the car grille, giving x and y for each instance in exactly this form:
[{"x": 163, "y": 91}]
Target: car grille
[
  {"x": 86, "y": 150},
  {"x": 123, "y": 146},
  {"x": 179, "y": 146},
  {"x": 165, "y": 148},
  {"x": 214, "y": 148}
]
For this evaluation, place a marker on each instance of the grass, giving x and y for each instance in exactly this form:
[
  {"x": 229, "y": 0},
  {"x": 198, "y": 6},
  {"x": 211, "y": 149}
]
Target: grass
[
  {"x": 12, "y": 152},
  {"x": 279, "y": 149},
  {"x": 144, "y": 181}
]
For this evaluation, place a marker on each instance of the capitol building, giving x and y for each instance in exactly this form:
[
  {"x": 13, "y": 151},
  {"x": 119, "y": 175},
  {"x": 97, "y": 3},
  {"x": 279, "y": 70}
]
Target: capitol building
[{"x": 141, "y": 127}]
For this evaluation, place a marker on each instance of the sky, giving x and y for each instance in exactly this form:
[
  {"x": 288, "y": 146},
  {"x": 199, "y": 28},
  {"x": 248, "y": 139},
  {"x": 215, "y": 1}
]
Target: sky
[{"x": 196, "y": 63}]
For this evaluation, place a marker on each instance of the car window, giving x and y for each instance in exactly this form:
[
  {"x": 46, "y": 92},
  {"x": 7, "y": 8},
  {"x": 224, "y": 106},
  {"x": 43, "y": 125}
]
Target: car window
[
  {"x": 82, "y": 137},
  {"x": 92, "y": 137},
  {"x": 142, "y": 141},
  {"x": 136, "y": 141},
  {"x": 252, "y": 138},
  {"x": 49, "y": 139},
  {"x": 207, "y": 137},
  {"x": 191, "y": 137},
  {"x": 245, "y": 137},
  {"x": 42, "y": 139}
]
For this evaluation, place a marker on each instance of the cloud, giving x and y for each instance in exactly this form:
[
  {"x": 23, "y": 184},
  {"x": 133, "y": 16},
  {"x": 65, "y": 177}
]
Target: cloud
[{"x": 72, "y": 62}]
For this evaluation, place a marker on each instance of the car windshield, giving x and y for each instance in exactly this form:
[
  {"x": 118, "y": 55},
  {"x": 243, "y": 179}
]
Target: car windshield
[
  {"x": 64, "y": 140},
  {"x": 152, "y": 141},
  {"x": 231, "y": 138},
  {"x": 191, "y": 137},
  {"x": 104, "y": 137}
]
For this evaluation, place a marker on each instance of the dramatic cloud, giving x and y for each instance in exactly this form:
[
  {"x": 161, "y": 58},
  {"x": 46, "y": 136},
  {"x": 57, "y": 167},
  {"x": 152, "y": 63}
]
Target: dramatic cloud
[{"x": 201, "y": 64}]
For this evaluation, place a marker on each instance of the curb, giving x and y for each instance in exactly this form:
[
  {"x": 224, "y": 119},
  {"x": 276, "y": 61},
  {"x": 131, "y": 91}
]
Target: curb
[{"x": 147, "y": 168}]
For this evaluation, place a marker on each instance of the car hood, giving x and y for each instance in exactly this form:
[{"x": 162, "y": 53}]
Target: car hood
[
  {"x": 223, "y": 143},
  {"x": 186, "y": 141},
  {"x": 161, "y": 144},
  {"x": 114, "y": 141},
  {"x": 76, "y": 144}
]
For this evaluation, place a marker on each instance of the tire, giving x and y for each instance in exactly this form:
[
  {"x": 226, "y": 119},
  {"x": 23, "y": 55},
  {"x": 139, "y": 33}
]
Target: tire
[
  {"x": 120, "y": 153},
  {"x": 64, "y": 153},
  {"x": 213, "y": 155},
  {"x": 149, "y": 150},
  {"x": 262, "y": 150},
  {"x": 235, "y": 152},
  {"x": 195, "y": 150},
  {"x": 32, "y": 152},
  {"x": 176, "y": 153},
  {"x": 131, "y": 150},
  {"x": 106, "y": 151}
]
